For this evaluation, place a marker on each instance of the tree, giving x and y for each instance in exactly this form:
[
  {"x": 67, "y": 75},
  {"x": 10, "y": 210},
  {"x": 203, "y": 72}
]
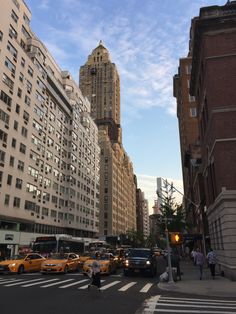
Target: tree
[{"x": 172, "y": 213}]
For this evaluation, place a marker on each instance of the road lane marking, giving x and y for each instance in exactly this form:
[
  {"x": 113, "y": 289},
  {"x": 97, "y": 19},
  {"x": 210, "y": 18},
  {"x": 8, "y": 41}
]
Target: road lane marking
[
  {"x": 10, "y": 280},
  {"x": 198, "y": 306},
  {"x": 200, "y": 300},
  {"x": 187, "y": 311},
  {"x": 74, "y": 283},
  {"x": 56, "y": 283},
  {"x": 86, "y": 286},
  {"x": 162, "y": 300},
  {"x": 126, "y": 287},
  {"x": 21, "y": 282},
  {"x": 38, "y": 283},
  {"x": 150, "y": 304},
  {"x": 110, "y": 285},
  {"x": 146, "y": 287}
]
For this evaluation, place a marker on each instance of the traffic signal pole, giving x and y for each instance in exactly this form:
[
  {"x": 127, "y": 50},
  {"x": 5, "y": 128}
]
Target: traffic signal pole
[{"x": 170, "y": 275}]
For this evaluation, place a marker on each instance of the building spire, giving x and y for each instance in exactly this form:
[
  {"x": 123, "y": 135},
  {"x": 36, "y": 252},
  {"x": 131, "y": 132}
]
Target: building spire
[{"x": 101, "y": 43}]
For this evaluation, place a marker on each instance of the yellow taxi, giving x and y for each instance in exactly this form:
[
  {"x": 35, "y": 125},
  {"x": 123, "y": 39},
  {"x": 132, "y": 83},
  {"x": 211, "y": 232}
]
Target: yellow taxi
[
  {"x": 22, "y": 263},
  {"x": 106, "y": 262},
  {"x": 84, "y": 257},
  {"x": 60, "y": 263}
]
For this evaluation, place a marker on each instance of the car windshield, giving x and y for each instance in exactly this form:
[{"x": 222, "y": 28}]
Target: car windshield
[
  {"x": 59, "y": 256},
  {"x": 86, "y": 254},
  {"x": 15, "y": 257},
  {"x": 104, "y": 257},
  {"x": 139, "y": 253}
]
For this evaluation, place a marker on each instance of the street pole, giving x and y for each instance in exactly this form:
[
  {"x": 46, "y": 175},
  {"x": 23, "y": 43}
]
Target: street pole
[{"x": 170, "y": 281}]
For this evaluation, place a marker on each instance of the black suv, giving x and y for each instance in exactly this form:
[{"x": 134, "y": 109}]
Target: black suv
[{"x": 140, "y": 260}]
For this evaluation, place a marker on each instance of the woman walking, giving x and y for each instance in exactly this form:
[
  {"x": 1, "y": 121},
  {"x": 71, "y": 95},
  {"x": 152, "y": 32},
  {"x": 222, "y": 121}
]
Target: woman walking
[{"x": 95, "y": 276}]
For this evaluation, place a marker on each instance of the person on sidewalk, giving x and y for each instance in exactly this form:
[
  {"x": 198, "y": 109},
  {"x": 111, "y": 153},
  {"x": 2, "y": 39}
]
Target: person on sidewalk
[
  {"x": 175, "y": 262},
  {"x": 211, "y": 259},
  {"x": 193, "y": 254},
  {"x": 199, "y": 261}
]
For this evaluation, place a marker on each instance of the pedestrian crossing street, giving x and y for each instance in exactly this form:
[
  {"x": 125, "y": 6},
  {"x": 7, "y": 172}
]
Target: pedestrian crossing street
[
  {"x": 162, "y": 304},
  {"x": 73, "y": 282}
]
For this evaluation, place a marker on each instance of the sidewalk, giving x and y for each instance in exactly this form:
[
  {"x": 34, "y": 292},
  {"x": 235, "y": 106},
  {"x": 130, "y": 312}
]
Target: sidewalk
[{"x": 190, "y": 283}]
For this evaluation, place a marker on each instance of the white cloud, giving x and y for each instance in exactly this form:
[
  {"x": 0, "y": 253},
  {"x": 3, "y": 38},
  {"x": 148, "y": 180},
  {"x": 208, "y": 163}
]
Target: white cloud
[{"x": 43, "y": 4}]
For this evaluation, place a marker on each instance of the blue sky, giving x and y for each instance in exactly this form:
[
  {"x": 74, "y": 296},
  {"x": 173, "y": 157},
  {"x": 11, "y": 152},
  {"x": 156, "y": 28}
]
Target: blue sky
[{"x": 145, "y": 38}]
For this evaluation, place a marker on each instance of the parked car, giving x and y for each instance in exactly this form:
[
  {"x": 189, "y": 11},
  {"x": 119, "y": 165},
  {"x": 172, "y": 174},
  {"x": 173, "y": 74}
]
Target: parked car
[
  {"x": 106, "y": 262},
  {"x": 22, "y": 263},
  {"x": 140, "y": 260},
  {"x": 61, "y": 263}
]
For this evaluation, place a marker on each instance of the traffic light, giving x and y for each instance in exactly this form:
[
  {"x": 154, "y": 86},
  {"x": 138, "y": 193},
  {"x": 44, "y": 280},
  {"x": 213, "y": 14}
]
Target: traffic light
[{"x": 176, "y": 238}]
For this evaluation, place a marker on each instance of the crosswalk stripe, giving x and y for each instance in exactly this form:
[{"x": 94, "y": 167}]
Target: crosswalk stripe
[
  {"x": 21, "y": 281},
  {"x": 146, "y": 287},
  {"x": 197, "y": 302},
  {"x": 110, "y": 284},
  {"x": 56, "y": 283},
  {"x": 10, "y": 280},
  {"x": 126, "y": 287},
  {"x": 200, "y": 300},
  {"x": 188, "y": 311},
  {"x": 73, "y": 283},
  {"x": 86, "y": 286},
  {"x": 38, "y": 283},
  {"x": 198, "y": 306}
]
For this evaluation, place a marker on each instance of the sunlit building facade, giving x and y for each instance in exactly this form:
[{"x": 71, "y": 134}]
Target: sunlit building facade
[{"x": 49, "y": 153}]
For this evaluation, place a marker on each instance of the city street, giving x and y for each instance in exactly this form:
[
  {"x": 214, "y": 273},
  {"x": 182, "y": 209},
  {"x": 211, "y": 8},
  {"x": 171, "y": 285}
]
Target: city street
[
  {"x": 69, "y": 293},
  {"x": 130, "y": 295}
]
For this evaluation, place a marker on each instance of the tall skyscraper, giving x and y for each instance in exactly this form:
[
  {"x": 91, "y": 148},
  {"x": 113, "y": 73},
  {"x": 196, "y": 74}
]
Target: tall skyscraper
[{"x": 100, "y": 83}]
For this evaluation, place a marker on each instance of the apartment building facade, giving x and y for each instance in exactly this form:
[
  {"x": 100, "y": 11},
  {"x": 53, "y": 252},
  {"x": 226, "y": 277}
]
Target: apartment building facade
[
  {"x": 49, "y": 152},
  {"x": 212, "y": 83},
  {"x": 100, "y": 83}
]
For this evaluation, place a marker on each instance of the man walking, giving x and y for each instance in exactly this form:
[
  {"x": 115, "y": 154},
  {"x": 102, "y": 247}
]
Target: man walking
[
  {"x": 211, "y": 258},
  {"x": 199, "y": 262}
]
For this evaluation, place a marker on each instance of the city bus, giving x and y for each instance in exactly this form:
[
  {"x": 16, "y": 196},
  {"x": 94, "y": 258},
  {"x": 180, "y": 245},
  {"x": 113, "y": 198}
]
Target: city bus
[{"x": 58, "y": 243}]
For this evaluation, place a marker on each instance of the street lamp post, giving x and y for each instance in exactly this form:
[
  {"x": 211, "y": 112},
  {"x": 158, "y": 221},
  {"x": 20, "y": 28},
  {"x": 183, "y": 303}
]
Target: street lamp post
[{"x": 171, "y": 281}]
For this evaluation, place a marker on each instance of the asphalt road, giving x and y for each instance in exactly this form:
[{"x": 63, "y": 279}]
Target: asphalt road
[{"x": 60, "y": 294}]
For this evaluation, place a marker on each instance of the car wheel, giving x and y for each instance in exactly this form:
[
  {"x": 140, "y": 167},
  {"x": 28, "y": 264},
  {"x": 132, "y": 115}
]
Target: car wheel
[
  {"x": 21, "y": 269},
  {"x": 66, "y": 269}
]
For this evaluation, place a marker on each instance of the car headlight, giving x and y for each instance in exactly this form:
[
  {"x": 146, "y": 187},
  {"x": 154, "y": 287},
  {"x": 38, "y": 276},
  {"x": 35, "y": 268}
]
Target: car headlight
[
  {"x": 12, "y": 265},
  {"x": 148, "y": 262},
  {"x": 127, "y": 262}
]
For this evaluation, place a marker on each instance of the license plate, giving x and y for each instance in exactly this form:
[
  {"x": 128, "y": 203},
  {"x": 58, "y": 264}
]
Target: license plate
[
  {"x": 49, "y": 269},
  {"x": 136, "y": 270}
]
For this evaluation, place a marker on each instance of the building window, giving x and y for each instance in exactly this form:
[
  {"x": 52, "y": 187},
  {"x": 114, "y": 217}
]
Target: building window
[
  {"x": 1, "y": 35},
  {"x": 7, "y": 81},
  {"x": 17, "y": 108},
  {"x": 16, "y": 202},
  {"x": 7, "y": 199},
  {"x": 13, "y": 143},
  {"x": 193, "y": 112},
  {"x": 22, "y": 62},
  {"x": 9, "y": 179},
  {"x": 191, "y": 98},
  {"x": 30, "y": 71},
  {"x": 5, "y": 98},
  {"x": 4, "y": 117},
  {"x": 19, "y": 92},
  {"x": 18, "y": 183},
  {"x": 26, "y": 116},
  {"x": 22, "y": 148},
  {"x": 3, "y": 136},
  {"x": 11, "y": 162},
  {"x": 12, "y": 50},
  {"x": 16, "y": 125},
  {"x": 2, "y": 156},
  {"x": 24, "y": 131},
  {"x": 21, "y": 165},
  {"x": 27, "y": 100},
  {"x": 45, "y": 211},
  {"x": 21, "y": 77},
  {"x": 12, "y": 32}
]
